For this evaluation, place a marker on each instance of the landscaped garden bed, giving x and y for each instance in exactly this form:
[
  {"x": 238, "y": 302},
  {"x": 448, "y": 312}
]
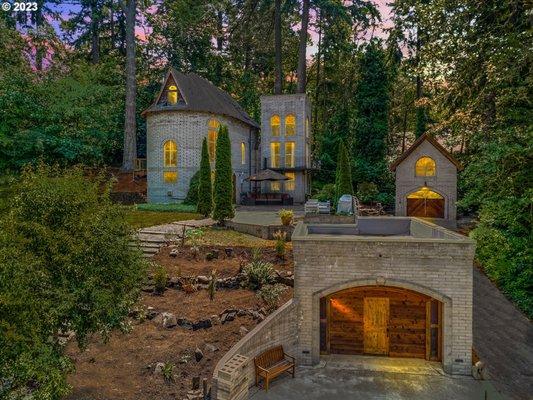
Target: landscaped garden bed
[{"x": 177, "y": 332}]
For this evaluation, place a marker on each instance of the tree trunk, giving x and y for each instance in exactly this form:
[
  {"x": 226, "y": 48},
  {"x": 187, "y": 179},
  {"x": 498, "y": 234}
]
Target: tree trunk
[
  {"x": 130, "y": 142},
  {"x": 318, "y": 56},
  {"x": 302, "y": 53},
  {"x": 278, "y": 84},
  {"x": 95, "y": 34}
]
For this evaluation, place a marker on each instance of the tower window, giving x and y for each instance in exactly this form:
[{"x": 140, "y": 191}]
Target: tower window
[
  {"x": 170, "y": 154},
  {"x": 425, "y": 166},
  {"x": 274, "y": 125},
  {"x": 290, "y": 125},
  {"x": 172, "y": 95},
  {"x": 243, "y": 153},
  {"x": 275, "y": 155},
  {"x": 289, "y": 154},
  {"x": 212, "y": 135}
]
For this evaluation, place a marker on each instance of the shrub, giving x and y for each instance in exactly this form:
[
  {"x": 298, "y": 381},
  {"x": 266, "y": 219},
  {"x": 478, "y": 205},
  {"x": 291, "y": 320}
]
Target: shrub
[
  {"x": 326, "y": 193},
  {"x": 343, "y": 175},
  {"x": 280, "y": 238},
  {"x": 223, "y": 190},
  {"x": 168, "y": 371},
  {"x": 64, "y": 254},
  {"x": 205, "y": 189},
  {"x": 286, "y": 216},
  {"x": 270, "y": 294},
  {"x": 192, "y": 194},
  {"x": 367, "y": 192},
  {"x": 194, "y": 236},
  {"x": 258, "y": 273},
  {"x": 160, "y": 279}
]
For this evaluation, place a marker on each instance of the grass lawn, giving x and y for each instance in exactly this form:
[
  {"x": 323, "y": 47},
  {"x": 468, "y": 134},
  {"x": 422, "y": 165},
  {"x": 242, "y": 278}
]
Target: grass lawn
[
  {"x": 142, "y": 219},
  {"x": 225, "y": 237}
]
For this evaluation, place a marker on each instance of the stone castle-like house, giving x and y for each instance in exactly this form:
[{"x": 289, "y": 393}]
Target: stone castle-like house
[{"x": 189, "y": 108}]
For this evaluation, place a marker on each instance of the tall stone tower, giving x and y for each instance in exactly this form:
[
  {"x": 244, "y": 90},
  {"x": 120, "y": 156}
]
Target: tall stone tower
[{"x": 286, "y": 143}]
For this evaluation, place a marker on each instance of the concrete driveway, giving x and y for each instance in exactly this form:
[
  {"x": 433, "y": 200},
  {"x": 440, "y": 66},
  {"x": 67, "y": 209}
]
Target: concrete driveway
[{"x": 372, "y": 378}]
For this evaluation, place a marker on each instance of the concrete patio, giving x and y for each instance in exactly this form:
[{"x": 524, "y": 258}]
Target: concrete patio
[{"x": 375, "y": 378}]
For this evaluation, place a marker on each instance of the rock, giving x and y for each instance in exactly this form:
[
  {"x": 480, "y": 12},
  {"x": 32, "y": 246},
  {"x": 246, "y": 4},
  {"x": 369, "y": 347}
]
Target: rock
[
  {"x": 210, "y": 348},
  {"x": 215, "y": 320},
  {"x": 202, "y": 280},
  {"x": 228, "y": 251},
  {"x": 241, "y": 313},
  {"x": 228, "y": 310},
  {"x": 159, "y": 368},
  {"x": 148, "y": 288},
  {"x": 243, "y": 331},
  {"x": 184, "y": 323},
  {"x": 174, "y": 253},
  {"x": 169, "y": 320},
  {"x": 202, "y": 324},
  {"x": 195, "y": 383},
  {"x": 151, "y": 313},
  {"x": 227, "y": 317},
  {"x": 198, "y": 354},
  {"x": 209, "y": 256},
  {"x": 174, "y": 282}
]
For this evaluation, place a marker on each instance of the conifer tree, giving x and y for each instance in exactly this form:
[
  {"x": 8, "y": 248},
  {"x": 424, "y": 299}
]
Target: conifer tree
[
  {"x": 205, "y": 190},
  {"x": 343, "y": 175},
  {"x": 223, "y": 189}
]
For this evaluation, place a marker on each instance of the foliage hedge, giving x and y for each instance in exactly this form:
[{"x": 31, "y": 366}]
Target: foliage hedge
[
  {"x": 65, "y": 265},
  {"x": 171, "y": 207}
]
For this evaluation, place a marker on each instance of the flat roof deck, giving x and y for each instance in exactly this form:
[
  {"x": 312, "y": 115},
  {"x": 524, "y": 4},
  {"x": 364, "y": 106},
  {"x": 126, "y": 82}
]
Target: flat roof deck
[{"x": 378, "y": 228}]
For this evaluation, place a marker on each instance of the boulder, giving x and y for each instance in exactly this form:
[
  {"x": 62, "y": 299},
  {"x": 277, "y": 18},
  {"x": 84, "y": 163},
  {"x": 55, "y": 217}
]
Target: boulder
[
  {"x": 227, "y": 317},
  {"x": 184, "y": 323},
  {"x": 159, "y": 368},
  {"x": 241, "y": 313},
  {"x": 174, "y": 253},
  {"x": 198, "y": 354},
  {"x": 202, "y": 280},
  {"x": 169, "y": 320},
  {"x": 210, "y": 348},
  {"x": 202, "y": 324}
]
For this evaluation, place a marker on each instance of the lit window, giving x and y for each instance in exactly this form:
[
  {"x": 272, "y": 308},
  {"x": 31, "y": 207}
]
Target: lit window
[
  {"x": 170, "y": 176},
  {"x": 172, "y": 95},
  {"x": 290, "y": 125},
  {"x": 275, "y": 186},
  {"x": 170, "y": 154},
  {"x": 243, "y": 153},
  {"x": 275, "y": 155},
  {"x": 425, "y": 166},
  {"x": 212, "y": 134},
  {"x": 307, "y": 127},
  {"x": 290, "y": 184},
  {"x": 424, "y": 193},
  {"x": 274, "y": 125},
  {"x": 289, "y": 154}
]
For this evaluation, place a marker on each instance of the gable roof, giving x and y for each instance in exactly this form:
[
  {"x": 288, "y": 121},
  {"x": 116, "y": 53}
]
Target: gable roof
[
  {"x": 200, "y": 95},
  {"x": 418, "y": 142}
]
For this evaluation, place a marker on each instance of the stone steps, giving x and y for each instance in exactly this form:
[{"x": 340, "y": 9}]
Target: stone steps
[{"x": 150, "y": 241}]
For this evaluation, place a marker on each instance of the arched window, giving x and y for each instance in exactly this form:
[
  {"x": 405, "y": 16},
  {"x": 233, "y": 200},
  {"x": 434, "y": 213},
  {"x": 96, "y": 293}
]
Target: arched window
[
  {"x": 290, "y": 125},
  {"x": 243, "y": 153},
  {"x": 274, "y": 125},
  {"x": 172, "y": 95},
  {"x": 170, "y": 154},
  {"x": 424, "y": 193},
  {"x": 212, "y": 134},
  {"x": 425, "y": 166}
]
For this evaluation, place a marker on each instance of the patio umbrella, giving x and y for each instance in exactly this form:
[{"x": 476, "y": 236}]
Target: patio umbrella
[{"x": 267, "y": 175}]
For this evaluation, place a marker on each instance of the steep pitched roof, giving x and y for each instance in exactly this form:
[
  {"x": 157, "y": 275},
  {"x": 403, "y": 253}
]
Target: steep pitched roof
[
  {"x": 200, "y": 95},
  {"x": 418, "y": 142}
]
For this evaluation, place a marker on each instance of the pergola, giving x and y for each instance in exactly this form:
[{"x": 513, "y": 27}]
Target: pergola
[{"x": 267, "y": 175}]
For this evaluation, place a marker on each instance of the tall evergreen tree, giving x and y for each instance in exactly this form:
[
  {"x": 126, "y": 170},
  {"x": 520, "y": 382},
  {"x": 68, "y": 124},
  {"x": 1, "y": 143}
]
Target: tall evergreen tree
[
  {"x": 223, "y": 178},
  {"x": 130, "y": 130},
  {"x": 343, "y": 175},
  {"x": 205, "y": 190},
  {"x": 372, "y": 108}
]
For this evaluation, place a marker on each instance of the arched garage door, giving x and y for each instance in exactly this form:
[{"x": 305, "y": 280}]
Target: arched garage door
[
  {"x": 425, "y": 203},
  {"x": 386, "y": 321}
]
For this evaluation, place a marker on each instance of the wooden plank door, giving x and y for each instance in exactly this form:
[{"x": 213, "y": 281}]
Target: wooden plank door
[{"x": 375, "y": 325}]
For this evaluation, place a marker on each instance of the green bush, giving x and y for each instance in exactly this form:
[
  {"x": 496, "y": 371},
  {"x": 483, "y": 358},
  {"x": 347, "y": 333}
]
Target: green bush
[
  {"x": 171, "y": 207},
  {"x": 192, "y": 194},
  {"x": 367, "y": 192},
  {"x": 326, "y": 193},
  {"x": 65, "y": 264},
  {"x": 223, "y": 190},
  {"x": 271, "y": 294},
  {"x": 160, "y": 279},
  {"x": 258, "y": 273}
]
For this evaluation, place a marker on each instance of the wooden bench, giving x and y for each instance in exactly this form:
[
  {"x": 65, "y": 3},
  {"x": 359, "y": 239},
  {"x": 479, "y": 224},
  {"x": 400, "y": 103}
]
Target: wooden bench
[{"x": 272, "y": 363}]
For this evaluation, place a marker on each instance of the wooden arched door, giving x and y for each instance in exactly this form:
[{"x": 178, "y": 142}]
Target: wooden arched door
[{"x": 425, "y": 203}]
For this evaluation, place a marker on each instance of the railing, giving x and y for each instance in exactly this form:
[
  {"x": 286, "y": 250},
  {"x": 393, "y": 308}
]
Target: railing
[{"x": 287, "y": 164}]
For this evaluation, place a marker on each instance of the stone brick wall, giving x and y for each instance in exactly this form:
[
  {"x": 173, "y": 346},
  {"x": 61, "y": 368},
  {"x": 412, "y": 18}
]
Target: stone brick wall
[
  {"x": 438, "y": 267},
  {"x": 283, "y": 105},
  {"x": 188, "y": 129},
  {"x": 279, "y": 328},
  {"x": 444, "y": 182}
]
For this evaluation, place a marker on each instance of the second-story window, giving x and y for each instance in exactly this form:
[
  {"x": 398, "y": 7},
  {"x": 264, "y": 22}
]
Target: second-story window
[
  {"x": 212, "y": 135},
  {"x": 275, "y": 122},
  {"x": 290, "y": 125},
  {"x": 170, "y": 160},
  {"x": 172, "y": 95},
  {"x": 289, "y": 154},
  {"x": 425, "y": 166},
  {"x": 275, "y": 156}
]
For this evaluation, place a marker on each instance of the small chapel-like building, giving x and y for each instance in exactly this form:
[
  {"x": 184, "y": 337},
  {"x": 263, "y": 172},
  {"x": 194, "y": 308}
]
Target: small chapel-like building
[{"x": 426, "y": 182}]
